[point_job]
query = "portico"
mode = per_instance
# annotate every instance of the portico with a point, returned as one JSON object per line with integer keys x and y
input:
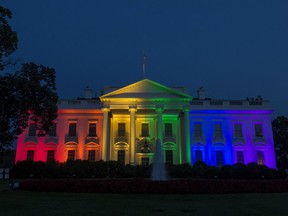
{"x": 139, "y": 114}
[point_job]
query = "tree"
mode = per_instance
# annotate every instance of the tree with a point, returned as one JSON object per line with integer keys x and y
{"x": 26, "y": 95}
{"x": 8, "y": 37}
{"x": 280, "y": 134}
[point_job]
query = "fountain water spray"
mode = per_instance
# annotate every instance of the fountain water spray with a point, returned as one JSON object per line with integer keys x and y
{"x": 158, "y": 169}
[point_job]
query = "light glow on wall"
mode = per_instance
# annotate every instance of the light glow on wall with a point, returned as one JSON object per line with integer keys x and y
{"x": 144, "y": 98}
{"x": 248, "y": 144}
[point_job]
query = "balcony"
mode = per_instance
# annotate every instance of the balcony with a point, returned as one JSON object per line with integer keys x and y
{"x": 122, "y": 139}
{"x": 195, "y": 140}
{"x": 259, "y": 140}
{"x": 170, "y": 139}
{"x": 71, "y": 139}
{"x": 239, "y": 141}
{"x": 51, "y": 139}
{"x": 92, "y": 140}
{"x": 31, "y": 139}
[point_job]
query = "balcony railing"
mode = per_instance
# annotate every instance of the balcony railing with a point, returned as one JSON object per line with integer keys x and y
{"x": 79, "y": 103}
{"x": 171, "y": 139}
{"x": 229, "y": 103}
{"x": 121, "y": 139}
{"x": 239, "y": 141}
{"x": 51, "y": 139}
{"x": 258, "y": 140}
{"x": 71, "y": 139}
{"x": 31, "y": 139}
{"x": 92, "y": 140}
{"x": 198, "y": 140}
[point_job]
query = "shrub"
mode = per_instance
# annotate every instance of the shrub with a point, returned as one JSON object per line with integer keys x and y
{"x": 212, "y": 172}
{"x": 226, "y": 172}
{"x": 180, "y": 171}
{"x": 136, "y": 186}
{"x": 83, "y": 169}
{"x": 199, "y": 169}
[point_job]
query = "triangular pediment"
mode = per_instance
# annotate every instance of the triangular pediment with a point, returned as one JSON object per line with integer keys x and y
{"x": 147, "y": 89}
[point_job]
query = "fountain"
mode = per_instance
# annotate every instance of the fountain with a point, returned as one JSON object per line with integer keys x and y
{"x": 158, "y": 169}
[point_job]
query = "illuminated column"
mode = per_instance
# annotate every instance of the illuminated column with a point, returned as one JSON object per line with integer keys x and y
{"x": 105, "y": 137}
{"x": 132, "y": 110}
{"x": 159, "y": 111}
{"x": 187, "y": 149}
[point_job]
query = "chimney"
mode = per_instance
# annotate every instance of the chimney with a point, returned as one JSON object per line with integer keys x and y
{"x": 88, "y": 93}
{"x": 201, "y": 93}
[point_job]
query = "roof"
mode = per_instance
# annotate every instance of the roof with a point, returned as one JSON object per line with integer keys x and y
{"x": 147, "y": 89}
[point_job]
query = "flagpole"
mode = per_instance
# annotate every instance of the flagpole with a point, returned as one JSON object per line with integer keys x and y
{"x": 144, "y": 65}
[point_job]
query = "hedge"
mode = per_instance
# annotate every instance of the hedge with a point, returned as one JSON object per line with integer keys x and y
{"x": 144, "y": 186}
{"x": 81, "y": 169}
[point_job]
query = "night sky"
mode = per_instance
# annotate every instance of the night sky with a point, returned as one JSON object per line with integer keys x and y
{"x": 232, "y": 48}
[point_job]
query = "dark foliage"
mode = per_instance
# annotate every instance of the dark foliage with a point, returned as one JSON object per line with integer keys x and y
{"x": 8, "y": 158}
{"x": 180, "y": 171}
{"x": 112, "y": 169}
{"x": 280, "y": 134}
{"x": 28, "y": 94}
{"x": 70, "y": 169}
{"x": 8, "y": 37}
{"x": 144, "y": 186}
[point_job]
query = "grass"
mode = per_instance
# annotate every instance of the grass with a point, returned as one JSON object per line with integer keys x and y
{"x": 13, "y": 202}
{"x": 4, "y": 185}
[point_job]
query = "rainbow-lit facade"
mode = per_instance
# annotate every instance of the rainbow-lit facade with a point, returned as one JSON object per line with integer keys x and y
{"x": 124, "y": 123}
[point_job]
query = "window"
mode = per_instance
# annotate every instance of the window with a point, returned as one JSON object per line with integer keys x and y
{"x": 72, "y": 129}
{"x": 30, "y": 155}
{"x": 219, "y": 158}
{"x": 145, "y": 161}
{"x": 198, "y": 155}
{"x": 260, "y": 158}
{"x": 121, "y": 130}
{"x": 218, "y": 130}
{"x": 169, "y": 156}
{"x": 71, "y": 155}
{"x": 240, "y": 157}
{"x": 258, "y": 130}
{"x": 145, "y": 147}
{"x": 238, "y": 130}
{"x": 197, "y": 130}
{"x": 168, "y": 130}
{"x": 121, "y": 156}
{"x": 50, "y": 155}
{"x": 52, "y": 130}
{"x": 91, "y": 155}
{"x": 92, "y": 130}
{"x": 32, "y": 130}
{"x": 145, "y": 130}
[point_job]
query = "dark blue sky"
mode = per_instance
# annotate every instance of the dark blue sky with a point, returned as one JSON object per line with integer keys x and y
{"x": 233, "y": 48}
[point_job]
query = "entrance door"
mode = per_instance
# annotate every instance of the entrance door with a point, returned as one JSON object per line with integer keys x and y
{"x": 121, "y": 156}
{"x": 145, "y": 161}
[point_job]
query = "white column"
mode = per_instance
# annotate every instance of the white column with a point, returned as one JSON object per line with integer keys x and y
{"x": 105, "y": 137}
{"x": 132, "y": 110}
{"x": 187, "y": 150}
{"x": 159, "y": 124}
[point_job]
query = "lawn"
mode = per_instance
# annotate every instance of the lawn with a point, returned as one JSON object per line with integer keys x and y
{"x": 40, "y": 203}
{"x": 4, "y": 185}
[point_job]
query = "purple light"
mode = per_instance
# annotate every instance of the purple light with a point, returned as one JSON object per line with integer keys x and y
{"x": 249, "y": 144}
